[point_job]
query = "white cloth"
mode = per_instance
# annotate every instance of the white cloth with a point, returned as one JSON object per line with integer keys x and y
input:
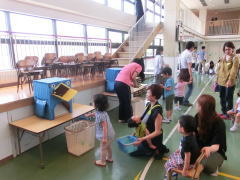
{"x": 185, "y": 58}
{"x": 158, "y": 64}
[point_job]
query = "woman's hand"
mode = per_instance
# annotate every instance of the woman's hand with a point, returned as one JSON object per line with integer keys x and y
{"x": 229, "y": 83}
{"x": 136, "y": 119}
{"x": 138, "y": 142}
{"x": 207, "y": 151}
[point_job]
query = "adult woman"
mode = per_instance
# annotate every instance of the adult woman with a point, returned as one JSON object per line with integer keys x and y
{"x": 125, "y": 79}
{"x": 158, "y": 66}
{"x": 152, "y": 117}
{"x": 210, "y": 134}
{"x": 226, "y": 77}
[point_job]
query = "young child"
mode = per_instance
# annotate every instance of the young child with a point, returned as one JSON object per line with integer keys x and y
{"x": 188, "y": 152}
{"x": 179, "y": 93}
{"x": 141, "y": 131}
{"x": 168, "y": 92}
{"x": 235, "y": 114}
{"x": 104, "y": 129}
{"x": 211, "y": 70}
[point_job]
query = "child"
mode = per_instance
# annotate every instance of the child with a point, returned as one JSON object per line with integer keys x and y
{"x": 141, "y": 131}
{"x": 179, "y": 93}
{"x": 211, "y": 70}
{"x": 188, "y": 152}
{"x": 168, "y": 92}
{"x": 235, "y": 112}
{"x": 104, "y": 129}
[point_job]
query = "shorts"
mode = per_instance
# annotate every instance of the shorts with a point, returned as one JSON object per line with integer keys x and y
{"x": 178, "y": 99}
{"x": 169, "y": 102}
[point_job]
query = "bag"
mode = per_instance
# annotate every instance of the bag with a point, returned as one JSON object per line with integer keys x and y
{"x": 215, "y": 87}
{"x": 184, "y": 75}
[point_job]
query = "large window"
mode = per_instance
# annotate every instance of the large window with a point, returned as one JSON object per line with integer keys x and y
{"x": 116, "y": 37}
{"x": 96, "y": 32}
{"x": 116, "y": 4}
{"x": 68, "y": 44}
{"x": 5, "y": 62}
{"x": 129, "y": 7}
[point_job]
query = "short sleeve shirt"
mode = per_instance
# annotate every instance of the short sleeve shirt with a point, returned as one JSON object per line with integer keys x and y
{"x": 185, "y": 58}
{"x": 100, "y": 117}
{"x": 169, "y": 83}
{"x": 125, "y": 75}
{"x": 189, "y": 144}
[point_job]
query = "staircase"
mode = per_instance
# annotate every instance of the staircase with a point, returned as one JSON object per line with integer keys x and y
{"x": 140, "y": 36}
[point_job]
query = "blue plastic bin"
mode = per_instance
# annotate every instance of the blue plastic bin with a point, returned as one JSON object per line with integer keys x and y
{"x": 123, "y": 144}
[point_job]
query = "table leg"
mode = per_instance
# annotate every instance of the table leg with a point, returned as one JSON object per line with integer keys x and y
{"x": 18, "y": 139}
{"x": 40, "y": 137}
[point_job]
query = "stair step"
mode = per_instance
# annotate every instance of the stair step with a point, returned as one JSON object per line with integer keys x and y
{"x": 125, "y": 54}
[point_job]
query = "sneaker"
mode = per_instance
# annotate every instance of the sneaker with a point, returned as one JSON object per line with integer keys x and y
{"x": 187, "y": 104}
{"x": 234, "y": 128}
{"x": 215, "y": 173}
{"x": 122, "y": 121}
{"x": 177, "y": 108}
{"x": 166, "y": 121}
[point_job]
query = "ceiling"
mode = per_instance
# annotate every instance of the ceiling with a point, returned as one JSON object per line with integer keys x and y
{"x": 212, "y": 4}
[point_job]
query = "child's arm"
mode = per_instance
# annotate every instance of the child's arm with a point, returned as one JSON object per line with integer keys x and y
{"x": 105, "y": 132}
{"x": 186, "y": 163}
{"x": 92, "y": 114}
{"x": 235, "y": 107}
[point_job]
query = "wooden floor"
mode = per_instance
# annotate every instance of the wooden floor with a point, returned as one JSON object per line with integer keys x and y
{"x": 9, "y": 97}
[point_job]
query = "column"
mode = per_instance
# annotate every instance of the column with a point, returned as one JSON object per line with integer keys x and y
{"x": 203, "y": 19}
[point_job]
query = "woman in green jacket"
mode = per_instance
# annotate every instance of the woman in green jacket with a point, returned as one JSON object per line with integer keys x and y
{"x": 226, "y": 77}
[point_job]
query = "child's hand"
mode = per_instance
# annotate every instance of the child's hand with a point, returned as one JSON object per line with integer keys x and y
{"x": 90, "y": 114}
{"x": 161, "y": 85}
{"x": 184, "y": 172}
{"x": 138, "y": 142}
{"x": 177, "y": 151}
{"x": 104, "y": 141}
{"x": 206, "y": 151}
{"x": 136, "y": 119}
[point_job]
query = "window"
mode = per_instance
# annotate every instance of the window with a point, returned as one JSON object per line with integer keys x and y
{"x": 116, "y": 37}
{"x": 149, "y": 17}
{"x": 149, "y": 52}
{"x": 98, "y": 44}
{"x": 31, "y": 44}
{"x": 150, "y": 5}
{"x": 30, "y": 24}
{"x": 129, "y": 7}
{"x": 100, "y": 1}
{"x": 125, "y": 36}
{"x": 70, "y": 44}
{"x": 116, "y": 4}
{"x": 3, "y": 25}
{"x": 69, "y": 29}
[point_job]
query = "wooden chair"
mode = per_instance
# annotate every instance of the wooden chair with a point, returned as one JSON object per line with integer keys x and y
{"x": 22, "y": 74}
{"x": 193, "y": 173}
{"x": 49, "y": 58}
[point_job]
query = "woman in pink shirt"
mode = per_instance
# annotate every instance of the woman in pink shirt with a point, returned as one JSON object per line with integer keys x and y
{"x": 125, "y": 79}
{"x": 179, "y": 92}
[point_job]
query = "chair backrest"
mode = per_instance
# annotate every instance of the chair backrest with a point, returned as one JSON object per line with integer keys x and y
{"x": 90, "y": 57}
{"x": 80, "y": 57}
{"x": 49, "y": 58}
{"x": 21, "y": 66}
{"x": 98, "y": 55}
{"x": 107, "y": 56}
{"x": 66, "y": 59}
{"x": 31, "y": 61}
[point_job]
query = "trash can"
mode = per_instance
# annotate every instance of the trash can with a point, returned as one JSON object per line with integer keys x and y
{"x": 80, "y": 137}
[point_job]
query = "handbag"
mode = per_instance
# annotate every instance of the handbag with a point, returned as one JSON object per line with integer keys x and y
{"x": 215, "y": 87}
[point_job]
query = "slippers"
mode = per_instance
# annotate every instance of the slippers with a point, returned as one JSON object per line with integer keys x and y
{"x": 99, "y": 164}
{"x": 109, "y": 160}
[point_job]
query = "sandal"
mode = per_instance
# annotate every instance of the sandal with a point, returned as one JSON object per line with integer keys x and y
{"x": 109, "y": 160}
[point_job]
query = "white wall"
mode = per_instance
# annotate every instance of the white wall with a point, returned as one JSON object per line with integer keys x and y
{"x": 82, "y": 11}
{"x": 214, "y": 50}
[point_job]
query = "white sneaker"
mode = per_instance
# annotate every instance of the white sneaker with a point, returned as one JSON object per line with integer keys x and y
{"x": 215, "y": 173}
{"x": 234, "y": 128}
{"x": 177, "y": 108}
{"x": 166, "y": 121}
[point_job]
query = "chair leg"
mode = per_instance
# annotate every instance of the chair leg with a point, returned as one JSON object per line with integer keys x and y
{"x": 169, "y": 175}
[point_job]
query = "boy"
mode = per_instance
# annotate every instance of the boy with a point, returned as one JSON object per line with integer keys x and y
{"x": 168, "y": 92}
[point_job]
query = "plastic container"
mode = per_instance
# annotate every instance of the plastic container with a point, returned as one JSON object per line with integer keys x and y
{"x": 80, "y": 137}
{"x": 125, "y": 144}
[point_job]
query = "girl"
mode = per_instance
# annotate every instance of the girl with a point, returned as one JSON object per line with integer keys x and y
{"x": 179, "y": 92}
{"x": 188, "y": 151}
{"x": 210, "y": 134}
{"x": 104, "y": 129}
{"x": 235, "y": 112}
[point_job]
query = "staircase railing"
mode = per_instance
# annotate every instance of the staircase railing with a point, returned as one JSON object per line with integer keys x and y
{"x": 223, "y": 27}
{"x": 141, "y": 30}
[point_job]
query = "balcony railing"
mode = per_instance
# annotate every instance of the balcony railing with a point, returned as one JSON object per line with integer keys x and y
{"x": 223, "y": 27}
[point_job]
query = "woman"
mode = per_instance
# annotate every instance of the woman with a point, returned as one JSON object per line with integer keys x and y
{"x": 125, "y": 79}
{"x": 226, "y": 77}
{"x": 158, "y": 66}
{"x": 210, "y": 134}
{"x": 152, "y": 117}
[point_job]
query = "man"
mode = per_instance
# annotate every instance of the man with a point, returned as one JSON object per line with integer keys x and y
{"x": 201, "y": 60}
{"x": 186, "y": 70}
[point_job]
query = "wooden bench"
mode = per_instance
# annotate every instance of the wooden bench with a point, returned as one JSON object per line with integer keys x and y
{"x": 38, "y": 126}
